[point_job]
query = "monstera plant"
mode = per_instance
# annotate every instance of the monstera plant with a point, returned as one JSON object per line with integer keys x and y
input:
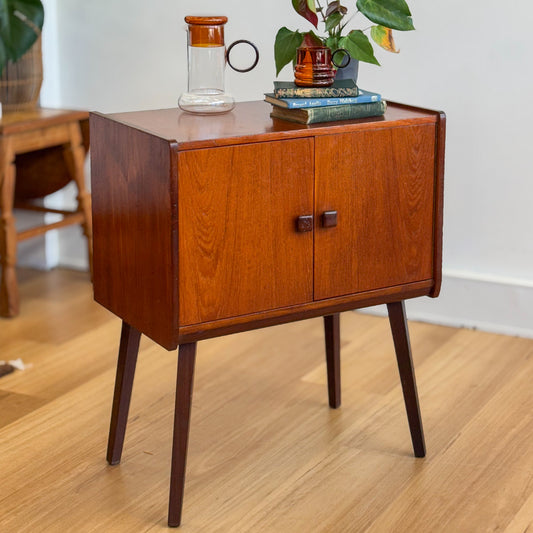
{"x": 386, "y": 15}
{"x": 20, "y": 24}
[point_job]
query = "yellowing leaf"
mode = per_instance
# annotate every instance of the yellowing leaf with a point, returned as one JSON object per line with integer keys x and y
{"x": 383, "y": 36}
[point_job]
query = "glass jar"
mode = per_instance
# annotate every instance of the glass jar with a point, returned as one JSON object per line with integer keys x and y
{"x": 206, "y": 58}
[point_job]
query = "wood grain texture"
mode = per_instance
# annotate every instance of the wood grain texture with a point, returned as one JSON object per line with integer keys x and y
{"x": 9, "y": 297}
{"x": 250, "y": 122}
{"x": 234, "y": 223}
{"x": 28, "y": 135}
{"x": 215, "y": 328}
{"x": 239, "y": 249}
{"x": 439, "y": 204}
{"x": 235, "y": 203}
{"x": 135, "y": 228}
{"x": 23, "y": 121}
{"x": 74, "y": 154}
{"x": 279, "y": 461}
{"x": 381, "y": 183}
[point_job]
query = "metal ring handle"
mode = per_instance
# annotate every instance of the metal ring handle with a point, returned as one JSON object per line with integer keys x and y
{"x": 346, "y": 54}
{"x": 230, "y": 47}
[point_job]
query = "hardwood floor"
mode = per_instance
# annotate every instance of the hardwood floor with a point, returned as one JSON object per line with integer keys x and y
{"x": 266, "y": 454}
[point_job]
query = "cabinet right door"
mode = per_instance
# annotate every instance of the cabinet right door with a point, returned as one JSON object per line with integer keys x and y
{"x": 381, "y": 185}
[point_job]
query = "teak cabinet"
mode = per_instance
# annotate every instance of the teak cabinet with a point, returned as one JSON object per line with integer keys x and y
{"x": 205, "y": 226}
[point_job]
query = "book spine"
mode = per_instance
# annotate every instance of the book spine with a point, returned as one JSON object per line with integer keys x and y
{"x": 295, "y": 103}
{"x": 345, "y": 112}
{"x": 315, "y": 92}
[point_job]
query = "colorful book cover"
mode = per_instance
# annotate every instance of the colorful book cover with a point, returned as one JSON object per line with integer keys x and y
{"x": 363, "y": 97}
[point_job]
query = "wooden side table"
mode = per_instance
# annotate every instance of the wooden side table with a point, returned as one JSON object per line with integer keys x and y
{"x": 206, "y": 226}
{"x": 22, "y": 133}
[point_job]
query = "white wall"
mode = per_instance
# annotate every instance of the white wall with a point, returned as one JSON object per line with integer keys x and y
{"x": 43, "y": 252}
{"x": 470, "y": 59}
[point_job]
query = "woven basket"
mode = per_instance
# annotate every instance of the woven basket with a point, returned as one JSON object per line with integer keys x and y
{"x": 44, "y": 172}
{"x": 21, "y": 81}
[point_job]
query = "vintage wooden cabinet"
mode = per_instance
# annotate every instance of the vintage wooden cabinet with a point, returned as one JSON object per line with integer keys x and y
{"x": 205, "y": 226}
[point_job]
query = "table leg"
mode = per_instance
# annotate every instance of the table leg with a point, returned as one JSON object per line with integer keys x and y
{"x": 9, "y": 295}
{"x": 127, "y": 359}
{"x": 333, "y": 360}
{"x": 74, "y": 154}
{"x": 400, "y": 334}
{"x": 182, "y": 416}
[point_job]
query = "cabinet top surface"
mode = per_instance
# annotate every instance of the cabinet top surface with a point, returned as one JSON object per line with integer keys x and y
{"x": 251, "y": 122}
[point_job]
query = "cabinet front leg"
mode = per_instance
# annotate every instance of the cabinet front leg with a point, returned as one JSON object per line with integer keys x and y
{"x": 400, "y": 334}
{"x": 333, "y": 358}
{"x": 182, "y": 416}
{"x": 127, "y": 359}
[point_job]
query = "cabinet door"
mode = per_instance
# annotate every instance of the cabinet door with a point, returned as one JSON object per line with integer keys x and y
{"x": 381, "y": 184}
{"x": 239, "y": 248}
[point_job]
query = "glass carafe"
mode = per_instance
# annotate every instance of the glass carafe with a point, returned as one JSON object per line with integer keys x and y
{"x": 207, "y": 57}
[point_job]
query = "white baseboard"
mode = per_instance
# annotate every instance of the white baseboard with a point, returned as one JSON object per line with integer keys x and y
{"x": 493, "y": 304}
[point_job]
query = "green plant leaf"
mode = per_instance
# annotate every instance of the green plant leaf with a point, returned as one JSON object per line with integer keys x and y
{"x": 5, "y": 33}
{"x": 358, "y": 46}
{"x": 333, "y": 20}
{"x": 393, "y": 14}
{"x": 383, "y": 37}
{"x": 332, "y": 43}
{"x": 285, "y": 46}
{"x": 307, "y": 9}
{"x": 16, "y": 35}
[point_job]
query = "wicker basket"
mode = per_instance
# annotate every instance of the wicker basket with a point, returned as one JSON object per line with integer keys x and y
{"x": 21, "y": 81}
{"x": 44, "y": 172}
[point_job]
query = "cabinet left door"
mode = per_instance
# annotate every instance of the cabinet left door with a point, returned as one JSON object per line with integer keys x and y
{"x": 240, "y": 251}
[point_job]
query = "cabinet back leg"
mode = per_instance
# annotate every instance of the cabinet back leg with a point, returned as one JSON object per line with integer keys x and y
{"x": 182, "y": 416}
{"x": 333, "y": 358}
{"x": 127, "y": 359}
{"x": 400, "y": 335}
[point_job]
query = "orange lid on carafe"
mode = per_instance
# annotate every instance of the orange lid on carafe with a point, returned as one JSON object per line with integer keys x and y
{"x": 206, "y": 31}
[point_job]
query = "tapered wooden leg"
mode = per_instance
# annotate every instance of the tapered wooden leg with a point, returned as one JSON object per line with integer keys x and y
{"x": 333, "y": 358}
{"x": 127, "y": 359}
{"x": 400, "y": 334}
{"x": 182, "y": 416}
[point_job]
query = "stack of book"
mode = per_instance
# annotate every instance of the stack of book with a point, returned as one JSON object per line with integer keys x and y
{"x": 308, "y": 105}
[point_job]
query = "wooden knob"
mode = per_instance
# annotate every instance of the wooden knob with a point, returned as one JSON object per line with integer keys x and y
{"x": 329, "y": 219}
{"x": 304, "y": 223}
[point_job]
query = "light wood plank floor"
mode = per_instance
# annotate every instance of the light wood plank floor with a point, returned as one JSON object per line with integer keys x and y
{"x": 266, "y": 453}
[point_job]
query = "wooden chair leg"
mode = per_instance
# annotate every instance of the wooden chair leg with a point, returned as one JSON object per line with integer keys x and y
{"x": 74, "y": 155}
{"x": 333, "y": 360}
{"x": 127, "y": 359}
{"x": 9, "y": 295}
{"x": 400, "y": 334}
{"x": 182, "y": 416}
